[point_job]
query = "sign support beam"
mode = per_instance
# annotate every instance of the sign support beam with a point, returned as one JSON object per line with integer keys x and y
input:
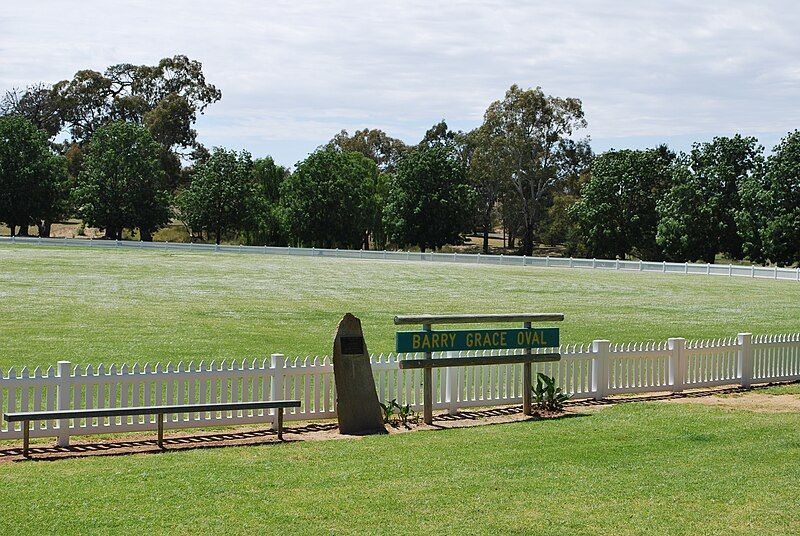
{"x": 526, "y": 380}
{"x": 427, "y": 385}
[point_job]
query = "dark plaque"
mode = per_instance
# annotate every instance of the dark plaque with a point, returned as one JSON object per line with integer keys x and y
{"x": 352, "y": 345}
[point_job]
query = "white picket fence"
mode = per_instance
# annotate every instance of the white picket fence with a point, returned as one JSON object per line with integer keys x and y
{"x": 771, "y": 272}
{"x": 585, "y": 371}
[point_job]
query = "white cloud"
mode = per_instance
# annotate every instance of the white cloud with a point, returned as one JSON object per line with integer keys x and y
{"x": 292, "y": 74}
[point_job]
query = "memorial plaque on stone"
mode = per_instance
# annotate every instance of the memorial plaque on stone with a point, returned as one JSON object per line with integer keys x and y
{"x": 357, "y": 406}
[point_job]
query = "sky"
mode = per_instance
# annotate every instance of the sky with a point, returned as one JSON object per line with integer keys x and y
{"x": 293, "y": 74}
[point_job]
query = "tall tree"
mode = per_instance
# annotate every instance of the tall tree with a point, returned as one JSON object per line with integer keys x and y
{"x": 220, "y": 197}
{"x": 430, "y": 201}
{"x": 697, "y": 214}
{"x": 38, "y": 104}
{"x": 165, "y": 97}
{"x": 617, "y": 210}
{"x": 688, "y": 225}
{"x": 328, "y": 200}
{"x": 33, "y": 180}
{"x": 375, "y": 144}
{"x": 559, "y": 226}
{"x": 439, "y": 135}
{"x": 121, "y": 184}
{"x": 265, "y": 226}
{"x": 488, "y": 175}
{"x": 769, "y": 218}
{"x": 533, "y": 129}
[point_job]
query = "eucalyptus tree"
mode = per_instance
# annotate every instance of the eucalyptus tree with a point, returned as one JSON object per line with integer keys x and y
{"x": 530, "y": 131}
{"x": 375, "y": 144}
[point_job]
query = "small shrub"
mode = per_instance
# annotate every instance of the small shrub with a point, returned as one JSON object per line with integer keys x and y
{"x": 388, "y": 410}
{"x": 81, "y": 229}
{"x": 406, "y": 414}
{"x": 546, "y": 395}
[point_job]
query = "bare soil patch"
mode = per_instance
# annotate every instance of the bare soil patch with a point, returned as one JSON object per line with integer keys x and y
{"x": 750, "y": 401}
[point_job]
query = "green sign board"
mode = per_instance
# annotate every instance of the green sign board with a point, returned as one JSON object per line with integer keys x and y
{"x": 475, "y": 339}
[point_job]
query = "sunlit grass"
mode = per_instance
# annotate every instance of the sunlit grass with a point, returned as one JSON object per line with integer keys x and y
{"x": 644, "y": 469}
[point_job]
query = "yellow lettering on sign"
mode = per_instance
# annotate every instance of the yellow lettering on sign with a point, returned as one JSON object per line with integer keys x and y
{"x": 426, "y": 342}
{"x": 415, "y": 341}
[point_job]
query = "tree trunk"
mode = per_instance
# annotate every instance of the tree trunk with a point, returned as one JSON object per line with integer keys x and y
{"x": 145, "y": 235}
{"x": 527, "y": 240}
{"x": 44, "y": 228}
{"x": 487, "y": 223}
{"x": 218, "y": 235}
{"x": 23, "y": 230}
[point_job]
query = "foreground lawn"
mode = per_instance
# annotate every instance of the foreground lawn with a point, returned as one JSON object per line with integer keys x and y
{"x": 104, "y": 306}
{"x": 629, "y": 469}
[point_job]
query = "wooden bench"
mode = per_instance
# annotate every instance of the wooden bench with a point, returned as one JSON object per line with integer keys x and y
{"x": 27, "y": 416}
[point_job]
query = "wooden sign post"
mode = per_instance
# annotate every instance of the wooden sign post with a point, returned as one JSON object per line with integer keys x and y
{"x": 428, "y": 341}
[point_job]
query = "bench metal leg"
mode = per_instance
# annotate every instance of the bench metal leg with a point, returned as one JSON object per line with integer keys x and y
{"x": 26, "y": 438}
{"x": 161, "y": 432}
{"x": 280, "y": 424}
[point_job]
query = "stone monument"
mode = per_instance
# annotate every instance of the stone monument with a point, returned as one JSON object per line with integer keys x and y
{"x": 357, "y": 404}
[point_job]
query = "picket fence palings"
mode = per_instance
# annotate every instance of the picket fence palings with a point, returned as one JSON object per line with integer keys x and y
{"x": 593, "y": 371}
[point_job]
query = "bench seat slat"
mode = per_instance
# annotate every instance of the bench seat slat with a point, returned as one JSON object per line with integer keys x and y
{"x": 148, "y": 410}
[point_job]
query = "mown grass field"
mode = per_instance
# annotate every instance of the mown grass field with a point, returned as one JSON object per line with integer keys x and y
{"x": 637, "y": 468}
{"x": 113, "y": 306}
{"x": 640, "y": 468}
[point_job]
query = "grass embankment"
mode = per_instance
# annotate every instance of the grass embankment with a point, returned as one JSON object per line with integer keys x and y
{"x": 629, "y": 469}
{"x": 113, "y": 306}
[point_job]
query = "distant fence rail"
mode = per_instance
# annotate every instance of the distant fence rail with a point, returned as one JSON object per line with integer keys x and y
{"x": 771, "y": 272}
{"x": 591, "y": 371}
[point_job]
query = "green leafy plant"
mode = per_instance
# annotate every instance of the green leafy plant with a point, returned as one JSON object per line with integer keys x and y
{"x": 406, "y": 414}
{"x": 546, "y": 395}
{"x": 388, "y": 410}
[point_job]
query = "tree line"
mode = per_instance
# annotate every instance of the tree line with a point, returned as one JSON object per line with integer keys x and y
{"x": 131, "y": 161}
